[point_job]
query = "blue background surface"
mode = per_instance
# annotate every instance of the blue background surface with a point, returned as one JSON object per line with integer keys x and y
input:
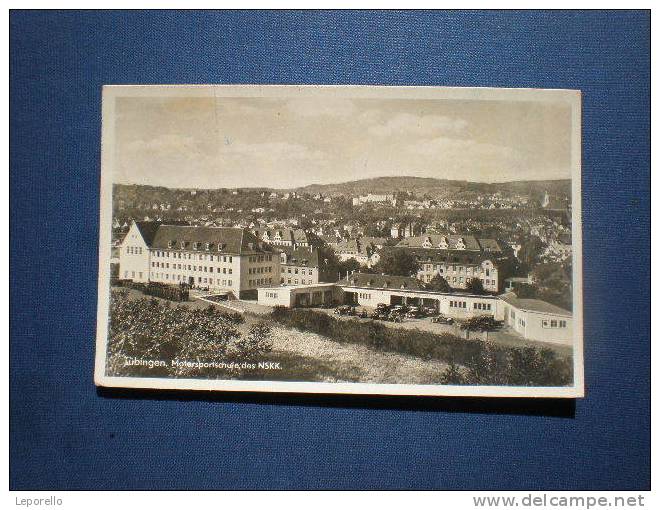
{"x": 66, "y": 435}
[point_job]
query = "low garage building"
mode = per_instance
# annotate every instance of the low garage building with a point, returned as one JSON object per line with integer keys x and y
{"x": 533, "y": 319}
{"x": 292, "y": 296}
{"x": 371, "y": 289}
{"x": 537, "y": 320}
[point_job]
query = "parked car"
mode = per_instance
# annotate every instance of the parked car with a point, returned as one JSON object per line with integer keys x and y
{"x": 414, "y": 313}
{"x": 363, "y": 314}
{"x": 395, "y": 317}
{"x": 441, "y": 319}
{"x": 345, "y": 310}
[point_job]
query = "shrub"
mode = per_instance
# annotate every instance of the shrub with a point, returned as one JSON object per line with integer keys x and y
{"x": 146, "y": 328}
{"x": 484, "y": 363}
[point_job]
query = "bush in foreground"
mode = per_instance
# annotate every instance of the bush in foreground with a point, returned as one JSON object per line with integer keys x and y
{"x": 149, "y": 329}
{"x": 471, "y": 362}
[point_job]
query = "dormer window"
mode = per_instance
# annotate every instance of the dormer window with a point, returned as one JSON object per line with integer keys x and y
{"x": 196, "y": 245}
{"x": 460, "y": 244}
{"x": 170, "y": 244}
{"x": 207, "y": 246}
{"x": 427, "y": 243}
{"x": 221, "y": 246}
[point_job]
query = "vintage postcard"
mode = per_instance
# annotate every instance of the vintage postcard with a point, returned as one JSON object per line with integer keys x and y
{"x": 341, "y": 239}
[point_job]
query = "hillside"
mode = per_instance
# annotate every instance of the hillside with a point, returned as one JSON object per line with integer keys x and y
{"x": 441, "y": 188}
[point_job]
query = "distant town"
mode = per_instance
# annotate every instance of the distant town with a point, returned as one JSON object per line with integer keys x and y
{"x": 454, "y": 238}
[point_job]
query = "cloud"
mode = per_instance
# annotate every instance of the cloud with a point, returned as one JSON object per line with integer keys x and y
{"x": 471, "y": 158}
{"x": 419, "y": 125}
{"x": 272, "y": 150}
{"x": 164, "y": 143}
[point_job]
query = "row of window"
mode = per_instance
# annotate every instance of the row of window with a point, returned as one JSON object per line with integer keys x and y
{"x": 260, "y": 270}
{"x": 457, "y": 304}
{"x": 259, "y": 281}
{"x": 455, "y": 269}
{"x": 187, "y": 279}
{"x": 295, "y": 270}
{"x": 193, "y": 256}
{"x": 261, "y": 258}
{"x": 364, "y": 295}
{"x": 553, "y": 323}
{"x": 133, "y": 250}
{"x": 482, "y": 306}
{"x": 197, "y": 245}
{"x": 295, "y": 281}
{"x": 271, "y": 295}
{"x": 188, "y": 267}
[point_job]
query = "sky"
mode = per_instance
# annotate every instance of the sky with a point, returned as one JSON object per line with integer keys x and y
{"x": 206, "y": 142}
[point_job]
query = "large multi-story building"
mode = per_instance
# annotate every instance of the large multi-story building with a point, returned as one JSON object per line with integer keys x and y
{"x": 299, "y": 266}
{"x": 365, "y": 253}
{"x": 458, "y": 259}
{"x": 218, "y": 258}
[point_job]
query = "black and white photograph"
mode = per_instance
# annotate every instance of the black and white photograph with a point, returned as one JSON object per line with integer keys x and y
{"x": 341, "y": 239}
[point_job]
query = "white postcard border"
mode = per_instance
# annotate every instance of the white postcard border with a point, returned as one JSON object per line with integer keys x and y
{"x": 111, "y": 92}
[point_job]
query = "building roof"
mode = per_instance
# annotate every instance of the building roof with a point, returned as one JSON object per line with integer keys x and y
{"x": 220, "y": 239}
{"x": 303, "y": 256}
{"x": 534, "y": 305}
{"x": 382, "y": 281}
{"x": 377, "y": 241}
{"x": 350, "y": 246}
{"x": 451, "y": 242}
{"x": 435, "y": 256}
{"x": 147, "y": 230}
{"x": 294, "y": 235}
